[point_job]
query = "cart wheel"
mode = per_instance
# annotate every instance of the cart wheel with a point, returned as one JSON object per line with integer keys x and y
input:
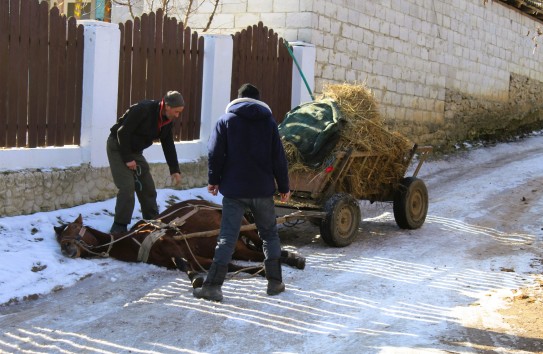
{"x": 339, "y": 226}
{"x": 411, "y": 203}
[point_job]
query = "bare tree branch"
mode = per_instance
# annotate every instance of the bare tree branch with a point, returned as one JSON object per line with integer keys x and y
{"x": 211, "y": 16}
{"x": 187, "y": 13}
{"x": 173, "y": 8}
{"x": 127, "y": 3}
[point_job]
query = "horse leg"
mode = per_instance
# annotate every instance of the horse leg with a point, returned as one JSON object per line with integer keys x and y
{"x": 196, "y": 278}
{"x": 244, "y": 253}
{"x": 292, "y": 259}
{"x": 251, "y": 239}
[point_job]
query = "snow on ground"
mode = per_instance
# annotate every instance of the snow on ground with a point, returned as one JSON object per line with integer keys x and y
{"x": 430, "y": 290}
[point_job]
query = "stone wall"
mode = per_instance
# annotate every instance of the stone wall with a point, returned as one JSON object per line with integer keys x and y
{"x": 475, "y": 119}
{"x": 31, "y": 191}
{"x": 443, "y": 71}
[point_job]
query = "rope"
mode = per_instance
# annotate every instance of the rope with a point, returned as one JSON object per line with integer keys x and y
{"x": 289, "y": 48}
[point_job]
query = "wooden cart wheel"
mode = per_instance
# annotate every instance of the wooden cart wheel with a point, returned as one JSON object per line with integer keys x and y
{"x": 339, "y": 226}
{"x": 410, "y": 203}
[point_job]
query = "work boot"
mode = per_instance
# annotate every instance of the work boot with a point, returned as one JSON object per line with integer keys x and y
{"x": 273, "y": 274}
{"x": 211, "y": 289}
{"x": 118, "y": 228}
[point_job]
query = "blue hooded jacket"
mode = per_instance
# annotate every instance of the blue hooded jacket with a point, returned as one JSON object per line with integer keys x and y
{"x": 246, "y": 157}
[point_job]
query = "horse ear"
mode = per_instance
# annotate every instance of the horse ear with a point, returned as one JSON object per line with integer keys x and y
{"x": 79, "y": 220}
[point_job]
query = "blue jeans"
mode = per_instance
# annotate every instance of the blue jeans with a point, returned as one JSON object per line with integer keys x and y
{"x": 232, "y": 213}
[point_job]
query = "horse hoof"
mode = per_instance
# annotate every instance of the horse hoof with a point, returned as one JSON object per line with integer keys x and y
{"x": 300, "y": 263}
{"x": 197, "y": 282}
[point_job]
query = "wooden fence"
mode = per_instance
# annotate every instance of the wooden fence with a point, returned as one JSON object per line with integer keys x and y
{"x": 41, "y": 74}
{"x": 262, "y": 59}
{"x": 158, "y": 55}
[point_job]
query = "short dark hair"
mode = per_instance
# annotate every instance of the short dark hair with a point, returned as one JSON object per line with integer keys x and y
{"x": 249, "y": 91}
{"x": 174, "y": 99}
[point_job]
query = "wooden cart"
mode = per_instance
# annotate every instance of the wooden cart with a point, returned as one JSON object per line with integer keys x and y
{"x": 321, "y": 200}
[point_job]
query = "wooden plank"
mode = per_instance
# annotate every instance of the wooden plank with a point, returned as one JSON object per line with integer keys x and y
{"x": 62, "y": 86}
{"x": 121, "y": 94}
{"x": 243, "y": 60}
{"x": 13, "y": 75}
{"x": 271, "y": 69}
{"x": 193, "y": 83}
{"x": 158, "y": 54}
{"x": 4, "y": 57}
{"x": 33, "y": 76}
{"x": 138, "y": 66}
{"x": 128, "y": 57}
{"x": 194, "y": 87}
{"x": 265, "y": 75}
{"x": 251, "y": 60}
{"x": 54, "y": 24}
{"x": 187, "y": 78}
{"x": 168, "y": 52}
{"x": 149, "y": 50}
{"x": 179, "y": 73}
{"x": 71, "y": 61}
{"x": 79, "y": 84}
{"x": 198, "y": 88}
{"x": 43, "y": 72}
{"x": 259, "y": 57}
{"x": 235, "y": 64}
{"x": 23, "y": 61}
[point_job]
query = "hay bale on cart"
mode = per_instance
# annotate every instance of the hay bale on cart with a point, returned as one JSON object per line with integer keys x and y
{"x": 339, "y": 152}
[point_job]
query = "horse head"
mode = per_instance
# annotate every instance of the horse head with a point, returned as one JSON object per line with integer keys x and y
{"x": 74, "y": 238}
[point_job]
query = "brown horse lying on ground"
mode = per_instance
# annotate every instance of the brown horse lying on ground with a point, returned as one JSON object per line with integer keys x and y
{"x": 174, "y": 240}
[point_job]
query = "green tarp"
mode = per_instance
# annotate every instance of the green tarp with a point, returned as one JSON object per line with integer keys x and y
{"x": 314, "y": 129}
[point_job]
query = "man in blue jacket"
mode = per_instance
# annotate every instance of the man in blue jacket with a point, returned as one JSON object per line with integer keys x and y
{"x": 246, "y": 159}
{"x": 134, "y": 132}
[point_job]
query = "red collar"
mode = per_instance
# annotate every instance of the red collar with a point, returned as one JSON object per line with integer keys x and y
{"x": 162, "y": 122}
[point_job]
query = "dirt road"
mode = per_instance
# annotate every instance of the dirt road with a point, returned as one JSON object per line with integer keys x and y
{"x": 468, "y": 281}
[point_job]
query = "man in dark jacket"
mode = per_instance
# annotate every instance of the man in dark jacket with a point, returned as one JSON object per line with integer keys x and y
{"x": 246, "y": 159}
{"x": 134, "y": 132}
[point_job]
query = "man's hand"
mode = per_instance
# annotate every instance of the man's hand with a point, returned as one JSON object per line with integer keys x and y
{"x": 285, "y": 197}
{"x": 176, "y": 179}
{"x": 213, "y": 188}
{"x": 131, "y": 165}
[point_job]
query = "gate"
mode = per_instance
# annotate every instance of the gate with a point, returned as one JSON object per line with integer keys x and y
{"x": 158, "y": 54}
{"x": 261, "y": 58}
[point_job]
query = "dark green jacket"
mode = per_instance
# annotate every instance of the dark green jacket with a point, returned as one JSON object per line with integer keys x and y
{"x": 138, "y": 127}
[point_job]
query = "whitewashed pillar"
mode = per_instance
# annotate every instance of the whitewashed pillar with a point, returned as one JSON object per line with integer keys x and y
{"x": 218, "y": 57}
{"x": 100, "y": 87}
{"x": 305, "y": 54}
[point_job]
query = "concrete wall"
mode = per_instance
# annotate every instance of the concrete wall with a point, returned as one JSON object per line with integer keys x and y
{"x": 428, "y": 62}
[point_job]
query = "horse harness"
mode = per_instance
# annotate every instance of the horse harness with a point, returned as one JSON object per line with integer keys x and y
{"x": 79, "y": 241}
{"x": 148, "y": 242}
{"x": 161, "y": 229}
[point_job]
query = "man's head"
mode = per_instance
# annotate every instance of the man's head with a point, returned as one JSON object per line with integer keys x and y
{"x": 248, "y": 91}
{"x": 174, "y": 104}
